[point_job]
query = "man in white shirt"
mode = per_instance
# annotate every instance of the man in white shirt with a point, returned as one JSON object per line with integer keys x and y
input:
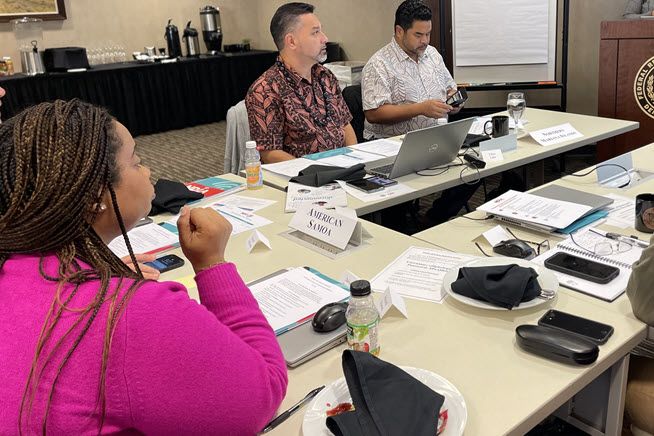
{"x": 405, "y": 84}
{"x": 404, "y": 87}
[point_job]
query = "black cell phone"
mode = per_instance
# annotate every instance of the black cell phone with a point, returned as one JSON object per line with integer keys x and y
{"x": 166, "y": 263}
{"x": 382, "y": 181}
{"x": 458, "y": 98}
{"x": 365, "y": 185}
{"x": 586, "y": 328}
{"x": 582, "y": 268}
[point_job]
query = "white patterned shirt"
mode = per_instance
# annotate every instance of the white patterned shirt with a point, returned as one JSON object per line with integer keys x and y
{"x": 392, "y": 77}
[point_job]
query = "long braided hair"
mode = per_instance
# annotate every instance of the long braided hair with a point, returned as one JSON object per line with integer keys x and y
{"x": 56, "y": 162}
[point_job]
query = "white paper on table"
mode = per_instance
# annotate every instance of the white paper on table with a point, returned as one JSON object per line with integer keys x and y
{"x": 290, "y": 297}
{"x": 622, "y": 212}
{"x": 496, "y": 235}
{"x": 327, "y": 196}
{"x": 387, "y": 192}
{"x": 495, "y": 155}
{"x": 256, "y": 238}
{"x": 383, "y": 147}
{"x": 390, "y": 299}
{"x": 349, "y": 277}
{"x": 556, "y": 134}
{"x": 249, "y": 204}
{"x": 418, "y": 273}
{"x": 350, "y": 159}
{"x": 144, "y": 239}
{"x": 240, "y": 219}
{"x": 289, "y": 168}
{"x": 534, "y": 209}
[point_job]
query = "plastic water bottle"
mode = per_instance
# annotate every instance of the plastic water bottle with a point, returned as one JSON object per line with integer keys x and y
{"x": 253, "y": 173}
{"x": 362, "y": 319}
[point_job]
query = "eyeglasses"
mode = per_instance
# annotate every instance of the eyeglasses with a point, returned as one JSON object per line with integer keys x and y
{"x": 606, "y": 247}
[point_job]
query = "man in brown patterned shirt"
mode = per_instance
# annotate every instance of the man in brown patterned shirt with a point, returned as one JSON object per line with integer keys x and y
{"x": 296, "y": 107}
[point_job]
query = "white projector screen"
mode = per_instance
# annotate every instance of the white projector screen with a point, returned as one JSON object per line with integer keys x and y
{"x": 504, "y": 40}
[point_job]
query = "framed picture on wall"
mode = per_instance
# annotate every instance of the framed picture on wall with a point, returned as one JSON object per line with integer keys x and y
{"x": 44, "y": 9}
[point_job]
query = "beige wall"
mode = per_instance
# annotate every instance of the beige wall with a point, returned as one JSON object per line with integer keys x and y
{"x": 583, "y": 53}
{"x": 360, "y": 26}
{"x": 135, "y": 23}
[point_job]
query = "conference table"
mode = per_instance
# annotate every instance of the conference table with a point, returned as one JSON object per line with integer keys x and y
{"x": 461, "y": 234}
{"x": 528, "y": 151}
{"x": 506, "y": 390}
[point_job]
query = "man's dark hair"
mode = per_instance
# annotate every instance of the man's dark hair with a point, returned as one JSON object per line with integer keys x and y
{"x": 285, "y": 18}
{"x": 410, "y": 11}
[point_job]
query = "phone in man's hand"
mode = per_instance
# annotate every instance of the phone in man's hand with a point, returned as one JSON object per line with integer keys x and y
{"x": 458, "y": 98}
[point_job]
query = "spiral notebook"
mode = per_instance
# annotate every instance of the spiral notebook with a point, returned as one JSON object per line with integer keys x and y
{"x": 588, "y": 239}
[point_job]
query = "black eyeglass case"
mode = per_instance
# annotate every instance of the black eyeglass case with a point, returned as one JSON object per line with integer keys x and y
{"x": 556, "y": 345}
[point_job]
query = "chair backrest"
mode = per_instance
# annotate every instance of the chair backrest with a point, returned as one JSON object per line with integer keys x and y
{"x": 238, "y": 133}
{"x": 352, "y": 97}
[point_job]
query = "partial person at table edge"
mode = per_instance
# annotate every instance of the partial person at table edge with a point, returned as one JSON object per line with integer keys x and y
{"x": 296, "y": 107}
{"x": 639, "y": 403}
{"x": 90, "y": 346}
{"x": 638, "y": 8}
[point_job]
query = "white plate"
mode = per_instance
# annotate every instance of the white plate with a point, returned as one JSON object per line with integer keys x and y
{"x": 546, "y": 280}
{"x": 337, "y": 392}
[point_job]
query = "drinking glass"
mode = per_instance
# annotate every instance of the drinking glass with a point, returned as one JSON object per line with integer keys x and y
{"x": 515, "y": 106}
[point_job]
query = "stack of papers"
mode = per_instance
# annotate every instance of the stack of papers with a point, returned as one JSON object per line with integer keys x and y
{"x": 418, "y": 273}
{"x": 240, "y": 219}
{"x": 150, "y": 238}
{"x": 215, "y": 186}
{"x": 290, "y": 298}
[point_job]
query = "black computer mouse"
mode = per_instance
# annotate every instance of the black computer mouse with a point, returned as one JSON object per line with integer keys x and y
{"x": 515, "y": 248}
{"x": 329, "y": 317}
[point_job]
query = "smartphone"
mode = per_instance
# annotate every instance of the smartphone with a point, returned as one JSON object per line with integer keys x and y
{"x": 586, "y": 328}
{"x": 458, "y": 98}
{"x": 365, "y": 185}
{"x": 166, "y": 263}
{"x": 382, "y": 181}
{"x": 582, "y": 268}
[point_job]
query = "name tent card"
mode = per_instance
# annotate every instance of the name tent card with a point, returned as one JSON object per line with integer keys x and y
{"x": 504, "y": 143}
{"x": 391, "y": 299}
{"x": 556, "y": 134}
{"x": 257, "y": 238}
{"x": 330, "y": 226}
{"x": 492, "y": 155}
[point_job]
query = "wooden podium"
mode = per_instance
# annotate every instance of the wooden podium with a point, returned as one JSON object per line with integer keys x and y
{"x": 626, "y": 82}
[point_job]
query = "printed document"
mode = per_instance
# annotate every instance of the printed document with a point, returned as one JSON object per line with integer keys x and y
{"x": 328, "y": 196}
{"x": 622, "y": 212}
{"x": 288, "y": 168}
{"x": 387, "y": 192}
{"x": 149, "y": 238}
{"x": 350, "y": 159}
{"x": 383, "y": 147}
{"x": 249, "y": 204}
{"x": 530, "y": 208}
{"x": 418, "y": 273}
{"x": 288, "y": 299}
{"x": 240, "y": 219}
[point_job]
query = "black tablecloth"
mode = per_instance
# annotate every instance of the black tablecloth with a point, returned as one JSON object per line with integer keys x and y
{"x": 148, "y": 98}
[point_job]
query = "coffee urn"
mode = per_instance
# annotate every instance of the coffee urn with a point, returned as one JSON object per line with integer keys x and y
{"x": 211, "y": 29}
{"x": 191, "y": 40}
{"x": 172, "y": 40}
{"x": 29, "y": 33}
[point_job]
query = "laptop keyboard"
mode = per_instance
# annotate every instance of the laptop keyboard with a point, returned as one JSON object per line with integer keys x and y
{"x": 384, "y": 171}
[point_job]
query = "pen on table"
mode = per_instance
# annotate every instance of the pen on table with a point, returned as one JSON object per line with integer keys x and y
{"x": 628, "y": 239}
{"x": 294, "y": 408}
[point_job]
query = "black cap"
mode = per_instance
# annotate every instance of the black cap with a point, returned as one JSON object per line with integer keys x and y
{"x": 360, "y": 288}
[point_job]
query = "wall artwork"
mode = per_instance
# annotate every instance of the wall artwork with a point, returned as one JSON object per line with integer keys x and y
{"x": 44, "y": 9}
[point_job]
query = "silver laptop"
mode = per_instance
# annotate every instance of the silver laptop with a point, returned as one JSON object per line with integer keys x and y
{"x": 303, "y": 343}
{"x": 427, "y": 148}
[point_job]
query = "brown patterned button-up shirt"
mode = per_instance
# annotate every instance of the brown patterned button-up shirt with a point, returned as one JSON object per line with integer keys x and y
{"x": 279, "y": 119}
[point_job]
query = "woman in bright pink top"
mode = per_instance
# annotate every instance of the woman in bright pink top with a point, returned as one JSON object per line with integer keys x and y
{"x": 86, "y": 344}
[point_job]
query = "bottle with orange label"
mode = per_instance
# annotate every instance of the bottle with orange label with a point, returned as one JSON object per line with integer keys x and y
{"x": 253, "y": 173}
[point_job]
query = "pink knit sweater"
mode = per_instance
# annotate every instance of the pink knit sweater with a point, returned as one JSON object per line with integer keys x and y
{"x": 175, "y": 366}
